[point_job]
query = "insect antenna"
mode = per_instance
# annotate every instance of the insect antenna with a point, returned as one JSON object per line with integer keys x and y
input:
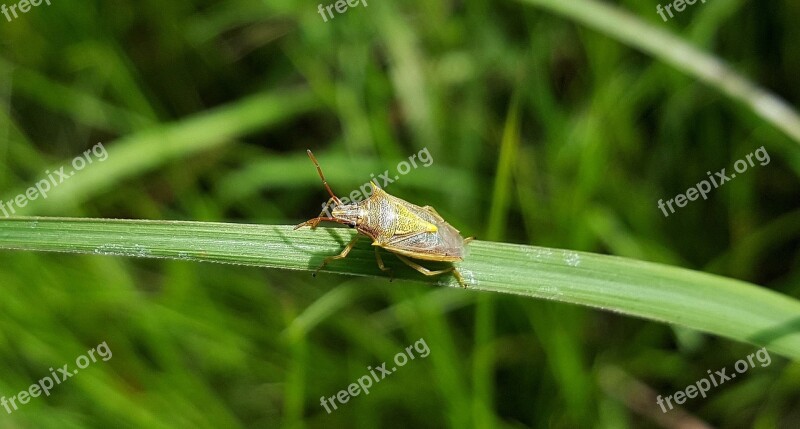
{"x": 322, "y": 176}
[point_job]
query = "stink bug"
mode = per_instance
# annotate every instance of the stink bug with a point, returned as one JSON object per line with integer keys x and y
{"x": 405, "y": 229}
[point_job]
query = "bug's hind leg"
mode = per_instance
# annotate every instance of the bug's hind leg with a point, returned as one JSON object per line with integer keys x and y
{"x": 342, "y": 255}
{"x": 428, "y": 272}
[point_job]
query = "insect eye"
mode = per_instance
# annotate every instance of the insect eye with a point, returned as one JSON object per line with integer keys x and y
{"x": 352, "y": 225}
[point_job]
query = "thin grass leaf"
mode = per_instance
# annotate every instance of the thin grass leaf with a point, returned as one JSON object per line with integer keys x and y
{"x": 705, "y": 302}
{"x": 675, "y": 51}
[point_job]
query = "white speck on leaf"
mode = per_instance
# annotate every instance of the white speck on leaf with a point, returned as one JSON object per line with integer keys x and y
{"x": 572, "y": 259}
{"x": 551, "y": 291}
{"x": 121, "y": 250}
{"x": 469, "y": 277}
{"x": 540, "y": 253}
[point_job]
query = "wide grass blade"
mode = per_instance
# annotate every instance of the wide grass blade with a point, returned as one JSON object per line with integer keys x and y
{"x": 708, "y": 303}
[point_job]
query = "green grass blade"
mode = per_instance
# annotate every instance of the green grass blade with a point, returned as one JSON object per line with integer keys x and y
{"x": 677, "y": 52}
{"x": 705, "y": 302}
{"x": 135, "y": 154}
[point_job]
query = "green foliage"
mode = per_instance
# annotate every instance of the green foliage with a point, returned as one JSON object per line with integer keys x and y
{"x": 554, "y": 124}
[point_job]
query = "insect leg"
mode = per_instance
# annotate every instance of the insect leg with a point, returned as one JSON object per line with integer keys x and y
{"x": 342, "y": 255}
{"x": 380, "y": 264}
{"x": 428, "y": 272}
{"x": 315, "y": 221}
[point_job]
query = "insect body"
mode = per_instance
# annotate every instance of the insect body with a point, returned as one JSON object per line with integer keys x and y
{"x": 405, "y": 229}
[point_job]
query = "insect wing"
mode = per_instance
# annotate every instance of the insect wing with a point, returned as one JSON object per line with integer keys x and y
{"x": 446, "y": 244}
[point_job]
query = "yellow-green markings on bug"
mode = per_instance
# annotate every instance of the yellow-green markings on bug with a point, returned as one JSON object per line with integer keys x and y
{"x": 402, "y": 228}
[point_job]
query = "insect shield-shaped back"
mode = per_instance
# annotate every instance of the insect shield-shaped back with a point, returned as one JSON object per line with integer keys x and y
{"x": 417, "y": 232}
{"x": 405, "y": 229}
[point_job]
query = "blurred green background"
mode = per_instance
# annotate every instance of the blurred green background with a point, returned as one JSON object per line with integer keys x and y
{"x": 206, "y": 109}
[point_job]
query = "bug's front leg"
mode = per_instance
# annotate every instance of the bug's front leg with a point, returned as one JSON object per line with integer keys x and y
{"x": 428, "y": 272}
{"x": 342, "y": 255}
{"x": 315, "y": 221}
